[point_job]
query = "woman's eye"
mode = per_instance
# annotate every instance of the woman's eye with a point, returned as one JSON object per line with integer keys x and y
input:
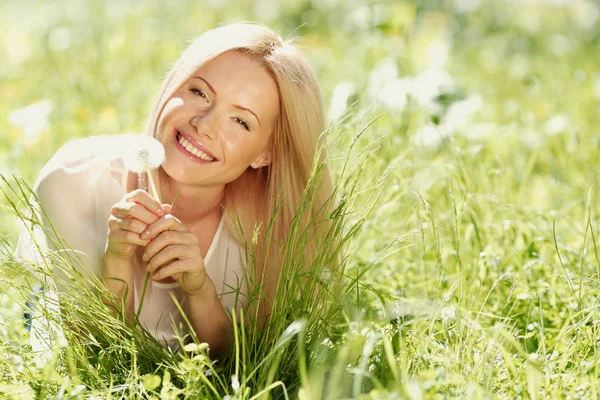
{"x": 242, "y": 123}
{"x": 200, "y": 93}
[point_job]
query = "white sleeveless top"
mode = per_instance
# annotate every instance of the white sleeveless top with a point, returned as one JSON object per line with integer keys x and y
{"x": 77, "y": 189}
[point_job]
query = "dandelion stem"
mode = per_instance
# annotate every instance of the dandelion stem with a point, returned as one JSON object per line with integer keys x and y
{"x": 139, "y": 311}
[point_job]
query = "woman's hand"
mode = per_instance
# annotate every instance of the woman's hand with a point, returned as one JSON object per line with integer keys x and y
{"x": 175, "y": 252}
{"x": 128, "y": 218}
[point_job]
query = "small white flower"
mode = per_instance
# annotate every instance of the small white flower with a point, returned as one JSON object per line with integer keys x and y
{"x": 460, "y": 113}
{"x": 235, "y": 383}
{"x": 437, "y": 53}
{"x": 142, "y": 153}
{"x": 557, "y": 124}
{"x": 339, "y": 99}
{"x": 193, "y": 347}
{"x": 429, "y": 84}
{"x": 394, "y": 95}
{"x": 448, "y": 313}
{"x": 384, "y": 72}
{"x": 429, "y": 137}
{"x": 584, "y": 12}
{"x": 466, "y": 6}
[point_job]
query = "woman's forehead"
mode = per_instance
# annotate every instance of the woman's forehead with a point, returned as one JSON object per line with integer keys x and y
{"x": 244, "y": 78}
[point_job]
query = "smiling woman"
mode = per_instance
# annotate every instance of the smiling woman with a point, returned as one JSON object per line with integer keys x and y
{"x": 240, "y": 119}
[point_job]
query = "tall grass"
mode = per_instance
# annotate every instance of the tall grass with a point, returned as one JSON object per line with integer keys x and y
{"x": 90, "y": 348}
{"x": 481, "y": 250}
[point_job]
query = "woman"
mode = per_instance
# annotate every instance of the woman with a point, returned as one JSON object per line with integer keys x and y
{"x": 240, "y": 117}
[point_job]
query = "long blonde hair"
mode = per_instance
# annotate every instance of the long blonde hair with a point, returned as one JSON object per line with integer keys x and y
{"x": 277, "y": 188}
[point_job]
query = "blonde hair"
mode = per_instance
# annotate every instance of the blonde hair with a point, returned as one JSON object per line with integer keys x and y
{"x": 277, "y": 188}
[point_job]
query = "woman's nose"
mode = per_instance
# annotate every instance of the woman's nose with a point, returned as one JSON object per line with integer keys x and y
{"x": 205, "y": 125}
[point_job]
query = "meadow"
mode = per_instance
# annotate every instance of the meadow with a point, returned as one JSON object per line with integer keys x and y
{"x": 464, "y": 145}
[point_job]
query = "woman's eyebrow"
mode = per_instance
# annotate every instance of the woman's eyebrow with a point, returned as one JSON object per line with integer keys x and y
{"x": 207, "y": 84}
{"x": 236, "y": 106}
{"x": 250, "y": 111}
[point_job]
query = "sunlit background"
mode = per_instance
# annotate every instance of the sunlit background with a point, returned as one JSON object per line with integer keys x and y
{"x": 490, "y": 109}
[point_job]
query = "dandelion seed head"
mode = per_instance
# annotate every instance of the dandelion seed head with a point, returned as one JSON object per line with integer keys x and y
{"x": 142, "y": 153}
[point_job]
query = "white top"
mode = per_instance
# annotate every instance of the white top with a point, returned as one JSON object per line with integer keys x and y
{"x": 77, "y": 189}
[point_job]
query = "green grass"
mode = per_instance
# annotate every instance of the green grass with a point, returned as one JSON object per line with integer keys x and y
{"x": 475, "y": 274}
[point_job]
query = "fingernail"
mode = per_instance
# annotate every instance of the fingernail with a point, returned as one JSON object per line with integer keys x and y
{"x": 148, "y": 267}
{"x": 155, "y": 276}
{"x": 145, "y": 257}
{"x": 145, "y": 235}
{"x": 160, "y": 212}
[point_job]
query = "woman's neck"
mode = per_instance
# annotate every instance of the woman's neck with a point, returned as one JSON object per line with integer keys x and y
{"x": 194, "y": 203}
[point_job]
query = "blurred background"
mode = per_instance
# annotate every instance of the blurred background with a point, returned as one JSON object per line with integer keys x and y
{"x": 487, "y": 111}
{"x": 475, "y": 68}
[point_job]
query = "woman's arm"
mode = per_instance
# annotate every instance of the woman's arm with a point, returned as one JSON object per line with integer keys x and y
{"x": 209, "y": 319}
{"x": 128, "y": 218}
{"x": 117, "y": 276}
{"x": 175, "y": 252}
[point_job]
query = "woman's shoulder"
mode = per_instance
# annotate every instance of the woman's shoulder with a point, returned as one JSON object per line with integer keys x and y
{"x": 81, "y": 166}
{"x": 88, "y": 158}
{"x": 82, "y": 150}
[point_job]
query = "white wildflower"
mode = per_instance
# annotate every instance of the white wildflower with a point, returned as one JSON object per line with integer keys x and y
{"x": 235, "y": 383}
{"x": 342, "y": 93}
{"x": 193, "y": 347}
{"x": 466, "y": 6}
{"x": 384, "y": 72}
{"x": 394, "y": 95}
{"x": 437, "y": 53}
{"x": 33, "y": 119}
{"x": 429, "y": 136}
{"x": 460, "y": 113}
{"x": 17, "y": 45}
{"x": 59, "y": 39}
{"x": 448, "y": 313}
{"x": 557, "y": 124}
{"x": 559, "y": 45}
{"x": 584, "y": 12}
{"x": 429, "y": 84}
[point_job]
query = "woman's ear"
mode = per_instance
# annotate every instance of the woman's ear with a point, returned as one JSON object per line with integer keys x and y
{"x": 262, "y": 161}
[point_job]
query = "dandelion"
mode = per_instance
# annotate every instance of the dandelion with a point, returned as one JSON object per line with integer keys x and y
{"x": 142, "y": 155}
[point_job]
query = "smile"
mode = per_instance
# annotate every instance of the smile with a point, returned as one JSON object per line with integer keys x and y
{"x": 192, "y": 149}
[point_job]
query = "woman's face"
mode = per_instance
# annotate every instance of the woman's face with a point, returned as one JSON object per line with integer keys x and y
{"x": 219, "y": 122}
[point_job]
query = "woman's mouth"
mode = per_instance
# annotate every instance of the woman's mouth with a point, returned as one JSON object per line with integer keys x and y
{"x": 193, "y": 152}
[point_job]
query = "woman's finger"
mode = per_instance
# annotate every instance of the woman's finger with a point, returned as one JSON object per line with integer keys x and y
{"x": 129, "y": 237}
{"x": 144, "y": 199}
{"x": 167, "y": 238}
{"x": 166, "y": 223}
{"x": 128, "y": 209}
{"x": 176, "y": 267}
{"x": 172, "y": 252}
{"x": 127, "y": 224}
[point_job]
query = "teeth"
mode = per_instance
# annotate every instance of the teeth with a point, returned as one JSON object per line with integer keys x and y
{"x": 194, "y": 150}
